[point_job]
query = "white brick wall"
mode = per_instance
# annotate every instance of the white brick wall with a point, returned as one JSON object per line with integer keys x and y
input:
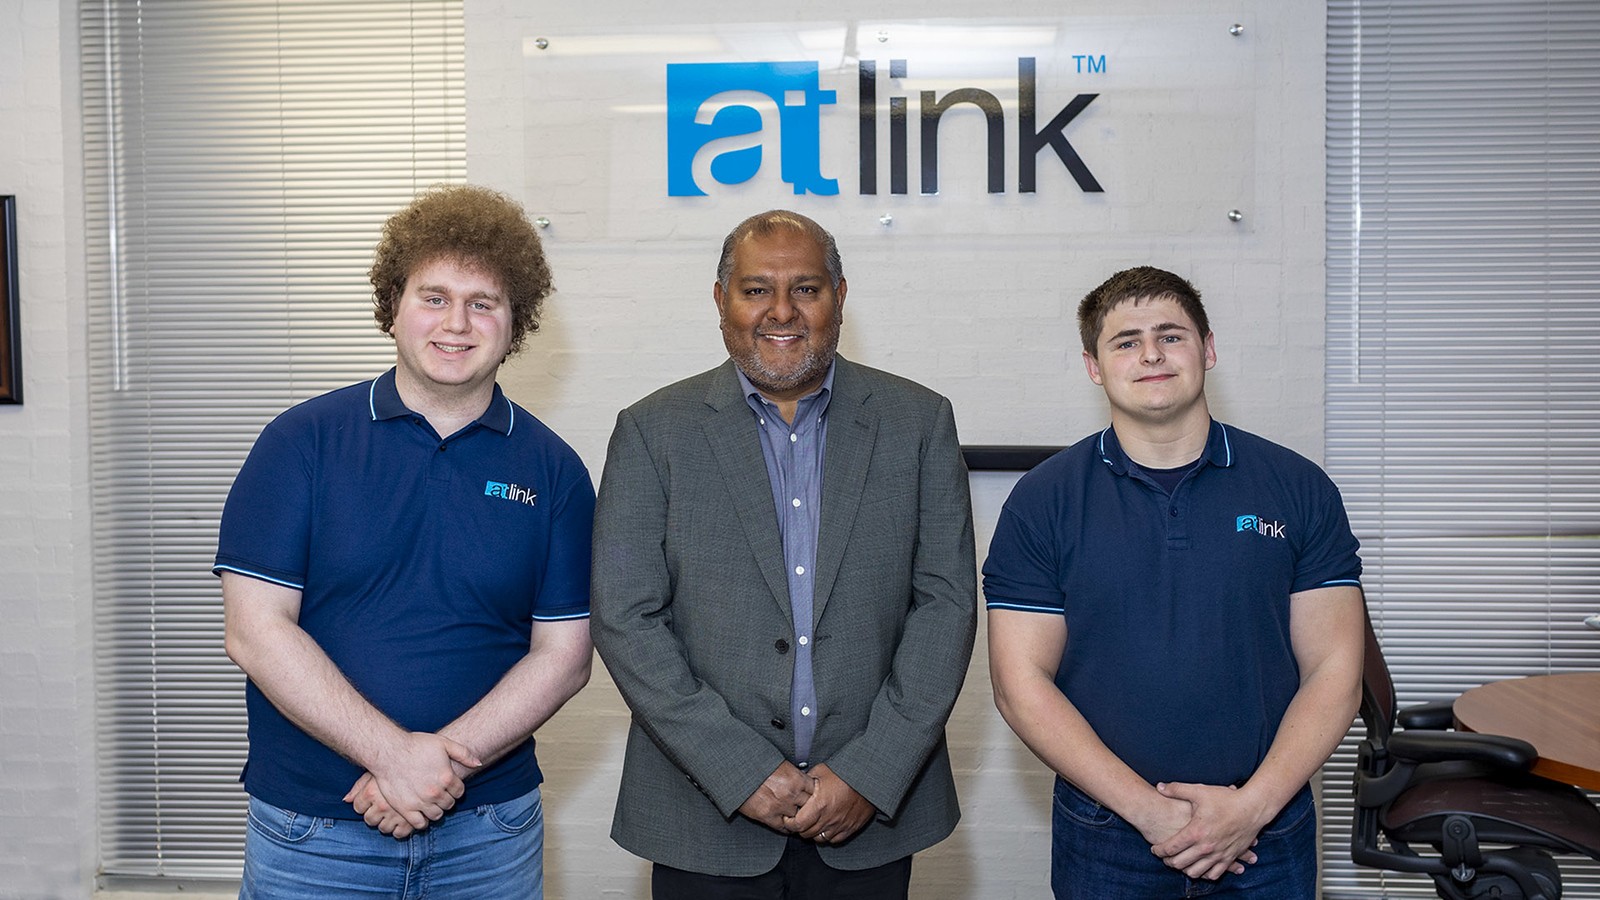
{"x": 635, "y": 312}
{"x": 46, "y": 689}
{"x": 612, "y": 336}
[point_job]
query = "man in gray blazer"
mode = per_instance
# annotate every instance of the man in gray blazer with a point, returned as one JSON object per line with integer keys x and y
{"x": 784, "y": 590}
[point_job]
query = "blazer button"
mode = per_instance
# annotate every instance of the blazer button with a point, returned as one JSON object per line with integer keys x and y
{"x": 780, "y": 645}
{"x": 778, "y": 724}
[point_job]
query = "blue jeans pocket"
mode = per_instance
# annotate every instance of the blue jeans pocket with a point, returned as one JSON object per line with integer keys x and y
{"x": 1080, "y": 807}
{"x": 1293, "y": 816}
{"x": 281, "y": 825}
{"x": 516, "y": 815}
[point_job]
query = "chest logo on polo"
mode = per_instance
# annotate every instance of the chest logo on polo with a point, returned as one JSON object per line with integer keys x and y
{"x": 512, "y": 492}
{"x": 1259, "y": 526}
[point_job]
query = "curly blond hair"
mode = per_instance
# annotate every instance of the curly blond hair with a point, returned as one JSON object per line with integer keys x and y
{"x": 476, "y": 227}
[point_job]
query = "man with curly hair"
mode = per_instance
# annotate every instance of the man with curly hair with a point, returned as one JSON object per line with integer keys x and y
{"x": 405, "y": 580}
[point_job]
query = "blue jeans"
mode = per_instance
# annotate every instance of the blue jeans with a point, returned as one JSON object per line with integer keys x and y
{"x": 1095, "y": 853}
{"x": 493, "y": 852}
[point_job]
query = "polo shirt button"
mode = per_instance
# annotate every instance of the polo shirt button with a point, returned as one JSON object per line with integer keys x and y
{"x": 780, "y": 645}
{"x": 1174, "y": 511}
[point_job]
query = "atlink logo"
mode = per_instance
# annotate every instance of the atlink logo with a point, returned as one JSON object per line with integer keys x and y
{"x": 714, "y": 108}
{"x": 1258, "y": 525}
{"x": 510, "y": 492}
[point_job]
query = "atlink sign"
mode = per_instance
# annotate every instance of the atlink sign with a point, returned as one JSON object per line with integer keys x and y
{"x": 710, "y": 103}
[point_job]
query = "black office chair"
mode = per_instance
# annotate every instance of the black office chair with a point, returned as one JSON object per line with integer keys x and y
{"x": 1492, "y": 826}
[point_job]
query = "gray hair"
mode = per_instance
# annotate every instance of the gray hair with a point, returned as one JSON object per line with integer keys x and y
{"x": 763, "y": 224}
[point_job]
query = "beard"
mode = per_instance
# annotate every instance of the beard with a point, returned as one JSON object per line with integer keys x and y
{"x": 820, "y": 348}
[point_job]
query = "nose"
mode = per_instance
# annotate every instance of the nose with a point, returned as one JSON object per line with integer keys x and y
{"x": 782, "y": 309}
{"x": 1151, "y": 352}
{"x": 456, "y": 319}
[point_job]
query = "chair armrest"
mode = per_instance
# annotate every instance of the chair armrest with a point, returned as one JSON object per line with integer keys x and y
{"x": 1436, "y": 716}
{"x": 1453, "y": 746}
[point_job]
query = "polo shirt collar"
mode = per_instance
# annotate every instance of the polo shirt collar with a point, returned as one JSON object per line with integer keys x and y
{"x": 1218, "y": 452}
{"x": 383, "y": 399}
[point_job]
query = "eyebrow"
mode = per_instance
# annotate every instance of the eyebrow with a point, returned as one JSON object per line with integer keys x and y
{"x": 440, "y": 289}
{"x": 1135, "y": 332}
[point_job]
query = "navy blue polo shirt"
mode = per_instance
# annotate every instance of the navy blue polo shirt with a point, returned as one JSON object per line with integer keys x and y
{"x": 1177, "y": 606}
{"x": 422, "y": 563}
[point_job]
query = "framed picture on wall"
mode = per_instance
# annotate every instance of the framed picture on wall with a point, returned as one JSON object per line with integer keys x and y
{"x": 10, "y": 303}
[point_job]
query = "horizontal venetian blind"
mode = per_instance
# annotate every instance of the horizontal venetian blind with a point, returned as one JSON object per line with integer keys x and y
{"x": 1463, "y": 411}
{"x": 240, "y": 159}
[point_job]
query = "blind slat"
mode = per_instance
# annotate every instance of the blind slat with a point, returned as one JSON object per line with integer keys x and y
{"x": 1463, "y": 273}
{"x": 240, "y": 159}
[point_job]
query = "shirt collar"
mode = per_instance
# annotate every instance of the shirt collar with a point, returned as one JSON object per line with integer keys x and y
{"x": 383, "y": 399}
{"x": 1218, "y": 452}
{"x": 757, "y": 402}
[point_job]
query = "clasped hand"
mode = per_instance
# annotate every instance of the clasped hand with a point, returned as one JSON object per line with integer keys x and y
{"x": 1215, "y": 827}
{"x": 818, "y": 806}
{"x": 412, "y": 784}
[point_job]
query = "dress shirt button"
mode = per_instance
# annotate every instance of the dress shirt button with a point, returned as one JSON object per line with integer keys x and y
{"x": 799, "y": 570}
{"x": 778, "y": 724}
{"x": 1174, "y": 511}
{"x": 796, "y": 502}
{"x": 793, "y": 438}
{"x": 780, "y": 645}
{"x": 805, "y": 710}
{"x": 804, "y": 640}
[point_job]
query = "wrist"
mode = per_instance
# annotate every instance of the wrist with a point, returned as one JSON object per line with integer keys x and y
{"x": 1259, "y": 802}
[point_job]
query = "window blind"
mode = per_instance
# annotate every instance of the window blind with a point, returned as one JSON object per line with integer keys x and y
{"x": 1463, "y": 414}
{"x": 240, "y": 158}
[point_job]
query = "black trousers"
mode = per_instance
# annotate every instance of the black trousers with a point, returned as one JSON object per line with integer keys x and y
{"x": 800, "y": 875}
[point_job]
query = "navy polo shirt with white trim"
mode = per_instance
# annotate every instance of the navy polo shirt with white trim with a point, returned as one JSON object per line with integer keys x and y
{"x": 422, "y": 563}
{"x": 1177, "y": 605}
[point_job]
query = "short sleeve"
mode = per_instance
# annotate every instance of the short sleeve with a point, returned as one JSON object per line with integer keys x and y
{"x": 564, "y": 592}
{"x": 1329, "y": 556}
{"x": 266, "y": 522}
{"x": 1023, "y": 568}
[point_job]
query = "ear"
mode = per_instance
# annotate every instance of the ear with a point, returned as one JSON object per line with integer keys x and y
{"x": 1211, "y": 350}
{"x": 838, "y": 303}
{"x": 717, "y": 295}
{"x": 1092, "y": 365}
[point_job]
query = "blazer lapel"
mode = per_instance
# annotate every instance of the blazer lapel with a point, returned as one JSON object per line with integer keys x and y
{"x": 737, "y": 447}
{"x": 852, "y": 430}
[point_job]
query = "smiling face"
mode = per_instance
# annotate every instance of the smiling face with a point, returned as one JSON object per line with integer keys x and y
{"x": 1151, "y": 359}
{"x": 452, "y": 329}
{"x": 780, "y": 313}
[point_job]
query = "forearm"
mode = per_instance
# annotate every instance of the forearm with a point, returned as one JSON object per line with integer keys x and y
{"x": 930, "y": 663}
{"x": 1053, "y": 728}
{"x": 1315, "y": 722}
{"x": 686, "y": 718}
{"x": 633, "y": 593}
{"x": 557, "y": 666}
{"x": 1326, "y": 630}
{"x": 906, "y": 721}
{"x": 296, "y": 675}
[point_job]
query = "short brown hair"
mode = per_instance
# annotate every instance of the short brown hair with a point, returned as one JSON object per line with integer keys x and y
{"x": 475, "y": 226}
{"x": 1138, "y": 283}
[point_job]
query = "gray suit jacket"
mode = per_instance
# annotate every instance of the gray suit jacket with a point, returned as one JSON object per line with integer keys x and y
{"x": 691, "y": 615}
